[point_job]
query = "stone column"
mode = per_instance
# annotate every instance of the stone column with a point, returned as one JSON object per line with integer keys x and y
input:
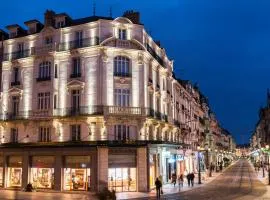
{"x": 58, "y": 173}
{"x": 25, "y": 169}
{"x": 142, "y": 179}
{"x": 102, "y": 168}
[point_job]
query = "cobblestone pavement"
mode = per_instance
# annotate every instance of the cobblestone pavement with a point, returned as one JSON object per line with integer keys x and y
{"x": 239, "y": 182}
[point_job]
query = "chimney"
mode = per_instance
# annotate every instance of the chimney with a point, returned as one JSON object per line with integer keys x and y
{"x": 133, "y": 16}
{"x": 49, "y": 18}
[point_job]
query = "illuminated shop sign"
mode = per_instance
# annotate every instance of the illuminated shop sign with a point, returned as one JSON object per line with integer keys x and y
{"x": 180, "y": 157}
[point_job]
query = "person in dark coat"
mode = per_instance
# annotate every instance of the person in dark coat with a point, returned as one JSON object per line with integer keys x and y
{"x": 174, "y": 179}
{"x": 158, "y": 187}
{"x": 188, "y": 179}
{"x": 192, "y": 176}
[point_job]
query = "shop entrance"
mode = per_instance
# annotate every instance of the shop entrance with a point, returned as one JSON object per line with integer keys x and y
{"x": 122, "y": 179}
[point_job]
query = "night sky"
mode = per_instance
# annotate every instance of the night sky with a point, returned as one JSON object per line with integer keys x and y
{"x": 224, "y": 46}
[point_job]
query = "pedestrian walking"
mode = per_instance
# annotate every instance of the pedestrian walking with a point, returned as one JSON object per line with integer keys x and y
{"x": 174, "y": 179}
{"x": 158, "y": 187}
{"x": 181, "y": 181}
{"x": 188, "y": 179}
{"x": 192, "y": 176}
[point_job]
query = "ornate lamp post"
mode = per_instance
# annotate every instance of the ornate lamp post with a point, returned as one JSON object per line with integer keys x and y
{"x": 263, "y": 161}
{"x": 199, "y": 165}
{"x": 216, "y": 160}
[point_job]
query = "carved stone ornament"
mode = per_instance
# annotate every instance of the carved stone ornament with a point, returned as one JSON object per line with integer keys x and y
{"x": 104, "y": 56}
{"x": 140, "y": 58}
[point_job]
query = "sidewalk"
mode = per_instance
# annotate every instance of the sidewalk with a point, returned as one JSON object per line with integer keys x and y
{"x": 167, "y": 189}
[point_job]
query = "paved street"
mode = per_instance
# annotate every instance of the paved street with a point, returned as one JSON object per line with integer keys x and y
{"x": 238, "y": 182}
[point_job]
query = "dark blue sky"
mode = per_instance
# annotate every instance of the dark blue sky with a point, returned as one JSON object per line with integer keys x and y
{"x": 223, "y": 45}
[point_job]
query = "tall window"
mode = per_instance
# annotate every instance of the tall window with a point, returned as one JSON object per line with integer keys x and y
{"x": 79, "y": 39}
{"x": 44, "y": 134}
{"x": 150, "y": 73}
{"x": 75, "y": 99}
{"x": 43, "y": 101}
{"x": 157, "y": 79}
{"x": 14, "y": 135}
{"x": 122, "y": 97}
{"x": 15, "y": 105}
{"x": 20, "y": 48}
{"x": 48, "y": 40}
{"x": 121, "y": 132}
{"x": 122, "y": 34}
{"x": 75, "y": 132}
{"x": 44, "y": 70}
{"x": 76, "y": 68}
{"x": 121, "y": 66}
{"x": 60, "y": 24}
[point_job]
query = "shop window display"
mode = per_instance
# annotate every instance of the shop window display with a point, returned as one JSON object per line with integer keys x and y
{"x": 122, "y": 179}
{"x": 42, "y": 177}
{"x": 76, "y": 179}
{"x": 14, "y": 177}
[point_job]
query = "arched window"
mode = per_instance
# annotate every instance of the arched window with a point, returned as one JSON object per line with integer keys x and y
{"x": 44, "y": 72}
{"x": 121, "y": 66}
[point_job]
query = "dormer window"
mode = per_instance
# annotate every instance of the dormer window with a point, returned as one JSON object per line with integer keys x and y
{"x": 122, "y": 34}
{"x": 60, "y": 24}
{"x": 48, "y": 40}
{"x": 13, "y": 34}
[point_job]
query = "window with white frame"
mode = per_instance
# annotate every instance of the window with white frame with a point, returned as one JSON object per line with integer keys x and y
{"x": 122, "y": 66}
{"x": 76, "y": 67}
{"x": 121, "y": 132}
{"x": 44, "y": 134}
{"x": 75, "y": 99}
{"x": 79, "y": 38}
{"x": 75, "y": 130}
{"x": 122, "y": 97}
{"x": 122, "y": 34}
{"x": 44, "y": 70}
{"x": 60, "y": 24}
{"x": 15, "y": 74}
{"x": 14, "y": 135}
{"x": 15, "y": 105}
{"x": 43, "y": 101}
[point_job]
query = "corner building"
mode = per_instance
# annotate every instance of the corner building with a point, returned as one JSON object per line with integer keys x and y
{"x": 86, "y": 104}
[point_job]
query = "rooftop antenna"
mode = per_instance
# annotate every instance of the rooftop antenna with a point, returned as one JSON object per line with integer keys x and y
{"x": 94, "y": 8}
{"x": 110, "y": 11}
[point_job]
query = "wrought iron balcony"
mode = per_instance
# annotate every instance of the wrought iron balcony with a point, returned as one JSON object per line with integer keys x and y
{"x": 121, "y": 74}
{"x": 15, "y": 83}
{"x": 87, "y": 42}
{"x": 40, "y": 79}
{"x": 15, "y": 115}
{"x": 16, "y": 55}
{"x": 155, "y": 55}
{"x": 41, "y": 50}
{"x": 75, "y": 75}
{"x": 82, "y": 110}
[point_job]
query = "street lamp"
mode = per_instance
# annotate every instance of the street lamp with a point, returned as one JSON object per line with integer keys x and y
{"x": 216, "y": 160}
{"x": 209, "y": 162}
{"x": 199, "y": 162}
{"x": 263, "y": 162}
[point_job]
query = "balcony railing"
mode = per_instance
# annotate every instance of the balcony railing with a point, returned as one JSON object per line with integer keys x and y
{"x": 43, "y": 79}
{"x": 87, "y": 42}
{"x": 121, "y": 74}
{"x": 15, "y": 116}
{"x": 119, "y": 110}
{"x": 16, "y": 55}
{"x": 155, "y": 55}
{"x": 43, "y": 49}
{"x": 75, "y": 75}
{"x": 15, "y": 83}
{"x": 82, "y": 110}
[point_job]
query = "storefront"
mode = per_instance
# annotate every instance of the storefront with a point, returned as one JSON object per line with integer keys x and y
{"x": 122, "y": 173}
{"x": 42, "y": 172}
{"x": 14, "y": 171}
{"x": 180, "y": 164}
{"x": 77, "y": 175}
{"x": 171, "y": 167}
{"x": 1, "y": 171}
{"x": 153, "y": 168}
